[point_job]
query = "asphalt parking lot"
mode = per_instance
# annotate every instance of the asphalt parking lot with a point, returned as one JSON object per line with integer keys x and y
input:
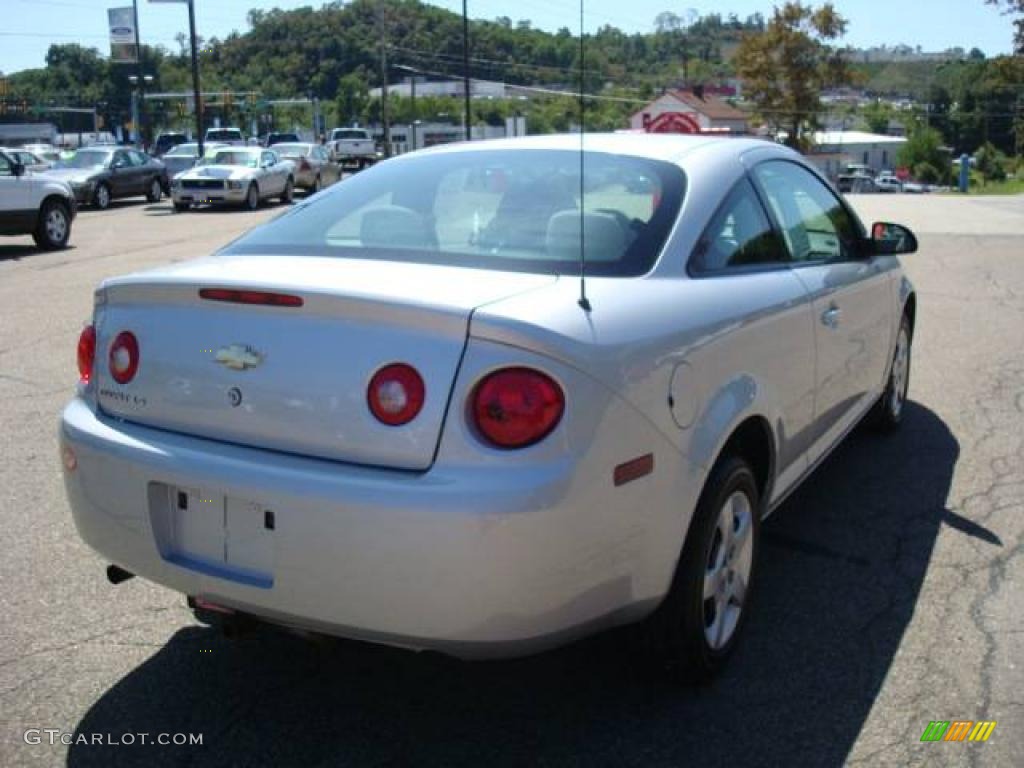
{"x": 890, "y": 585}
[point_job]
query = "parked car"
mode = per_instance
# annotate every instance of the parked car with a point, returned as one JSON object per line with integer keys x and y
{"x": 352, "y": 146}
{"x": 416, "y": 424}
{"x": 235, "y": 176}
{"x": 232, "y": 136}
{"x": 101, "y": 173}
{"x": 165, "y": 142}
{"x": 45, "y": 152}
{"x": 184, "y": 156}
{"x": 30, "y": 160}
{"x": 34, "y": 204}
{"x": 888, "y": 184}
{"x": 281, "y": 138}
{"x": 313, "y": 167}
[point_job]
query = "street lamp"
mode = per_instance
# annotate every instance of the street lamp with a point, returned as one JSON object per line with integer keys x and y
{"x": 137, "y": 106}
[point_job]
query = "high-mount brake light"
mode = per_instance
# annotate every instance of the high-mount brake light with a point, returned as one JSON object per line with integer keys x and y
{"x": 242, "y": 296}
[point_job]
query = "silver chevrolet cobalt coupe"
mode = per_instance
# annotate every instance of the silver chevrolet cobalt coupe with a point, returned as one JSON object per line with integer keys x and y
{"x": 490, "y": 397}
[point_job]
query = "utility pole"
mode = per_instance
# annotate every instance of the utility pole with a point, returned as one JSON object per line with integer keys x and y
{"x": 197, "y": 96}
{"x": 384, "y": 81}
{"x": 467, "y": 122}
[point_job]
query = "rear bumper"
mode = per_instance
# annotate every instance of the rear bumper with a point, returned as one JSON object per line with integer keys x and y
{"x": 471, "y": 561}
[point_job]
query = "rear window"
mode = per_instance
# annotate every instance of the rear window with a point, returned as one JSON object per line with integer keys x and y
{"x": 518, "y": 210}
{"x": 349, "y": 134}
{"x": 223, "y": 135}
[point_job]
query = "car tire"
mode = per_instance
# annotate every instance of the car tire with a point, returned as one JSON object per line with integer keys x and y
{"x": 252, "y": 197}
{"x": 181, "y": 207}
{"x": 695, "y": 629}
{"x": 155, "y": 191}
{"x": 101, "y": 197}
{"x": 317, "y": 185}
{"x": 54, "y": 226}
{"x": 289, "y": 193}
{"x": 887, "y": 415}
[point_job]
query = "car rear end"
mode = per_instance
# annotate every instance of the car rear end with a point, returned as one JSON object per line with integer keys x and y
{"x": 325, "y": 442}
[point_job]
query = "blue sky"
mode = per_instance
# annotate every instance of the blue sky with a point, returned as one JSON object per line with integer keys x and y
{"x": 30, "y": 26}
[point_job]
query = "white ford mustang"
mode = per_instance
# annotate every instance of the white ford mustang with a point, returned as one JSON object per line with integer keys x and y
{"x": 389, "y": 413}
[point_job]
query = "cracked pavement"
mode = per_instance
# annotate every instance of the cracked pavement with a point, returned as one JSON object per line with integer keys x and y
{"x": 890, "y": 586}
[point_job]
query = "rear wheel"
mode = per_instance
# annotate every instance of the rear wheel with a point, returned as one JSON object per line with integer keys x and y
{"x": 101, "y": 197}
{"x": 695, "y": 629}
{"x": 54, "y": 226}
{"x": 888, "y": 411}
{"x": 155, "y": 191}
{"x": 252, "y": 197}
{"x": 317, "y": 184}
{"x": 289, "y": 193}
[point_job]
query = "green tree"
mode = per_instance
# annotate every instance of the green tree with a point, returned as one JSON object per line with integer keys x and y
{"x": 877, "y": 115}
{"x": 786, "y": 67}
{"x": 1014, "y": 7}
{"x": 352, "y": 100}
{"x": 924, "y": 147}
{"x": 990, "y": 163}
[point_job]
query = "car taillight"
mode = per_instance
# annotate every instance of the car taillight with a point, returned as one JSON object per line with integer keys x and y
{"x": 396, "y": 394}
{"x": 517, "y": 407}
{"x": 124, "y": 357}
{"x": 86, "y": 353}
{"x": 304, "y": 165}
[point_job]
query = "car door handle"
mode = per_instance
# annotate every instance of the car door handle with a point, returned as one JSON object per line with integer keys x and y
{"x": 830, "y": 317}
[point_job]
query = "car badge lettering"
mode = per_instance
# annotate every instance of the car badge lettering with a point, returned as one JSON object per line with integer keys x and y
{"x": 239, "y": 357}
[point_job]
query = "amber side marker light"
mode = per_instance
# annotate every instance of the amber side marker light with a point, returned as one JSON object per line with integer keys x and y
{"x": 634, "y": 469}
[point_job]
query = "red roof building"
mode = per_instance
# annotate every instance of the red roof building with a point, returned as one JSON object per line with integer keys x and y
{"x": 694, "y": 111}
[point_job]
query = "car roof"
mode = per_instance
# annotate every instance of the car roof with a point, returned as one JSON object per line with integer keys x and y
{"x": 655, "y": 146}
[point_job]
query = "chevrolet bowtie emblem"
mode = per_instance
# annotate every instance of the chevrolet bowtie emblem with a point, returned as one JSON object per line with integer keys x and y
{"x": 239, "y": 357}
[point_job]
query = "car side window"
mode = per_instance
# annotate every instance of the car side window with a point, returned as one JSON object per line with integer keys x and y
{"x": 268, "y": 158}
{"x": 138, "y": 159}
{"x": 814, "y": 224}
{"x": 5, "y": 166}
{"x": 120, "y": 160}
{"x": 739, "y": 235}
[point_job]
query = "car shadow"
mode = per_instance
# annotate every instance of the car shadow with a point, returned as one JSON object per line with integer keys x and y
{"x": 17, "y": 252}
{"x": 841, "y": 568}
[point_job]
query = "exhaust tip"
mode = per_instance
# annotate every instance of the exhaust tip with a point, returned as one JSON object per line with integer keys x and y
{"x": 116, "y": 575}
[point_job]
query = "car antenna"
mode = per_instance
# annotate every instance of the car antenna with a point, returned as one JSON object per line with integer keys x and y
{"x": 584, "y": 302}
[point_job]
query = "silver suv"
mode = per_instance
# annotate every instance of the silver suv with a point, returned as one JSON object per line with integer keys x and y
{"x": 34, "y": 204}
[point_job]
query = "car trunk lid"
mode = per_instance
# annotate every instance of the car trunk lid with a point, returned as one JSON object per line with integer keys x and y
{"x": 293, "y": 378}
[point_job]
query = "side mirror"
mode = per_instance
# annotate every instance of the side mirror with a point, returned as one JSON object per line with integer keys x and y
{"x": 18, "y": 169}
{"x": 892, "y": 239}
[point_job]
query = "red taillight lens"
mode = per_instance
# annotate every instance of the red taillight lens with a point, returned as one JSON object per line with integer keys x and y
{"x": 517, "y": 407}
{"x": 304, "y": 165}
{"x": 86, "y": 353}
{"x": 124, "y": 357}
{"x": 396, "y": 394}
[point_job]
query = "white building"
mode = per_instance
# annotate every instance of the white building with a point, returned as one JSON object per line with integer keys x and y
{"x": 834, "y": 150}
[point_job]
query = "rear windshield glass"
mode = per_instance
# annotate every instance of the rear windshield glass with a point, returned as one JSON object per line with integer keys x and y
{"x": 293, "y": 149}
{"x": 224, "y": 135}
{"x": 517, "y": 210}
{"x": 232, "y": 157}
{"x": 348, "y": 134}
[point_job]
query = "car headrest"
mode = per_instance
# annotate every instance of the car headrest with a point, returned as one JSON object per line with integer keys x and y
{"x": 392, "y": 226}
{"x": 603, "y": 236}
